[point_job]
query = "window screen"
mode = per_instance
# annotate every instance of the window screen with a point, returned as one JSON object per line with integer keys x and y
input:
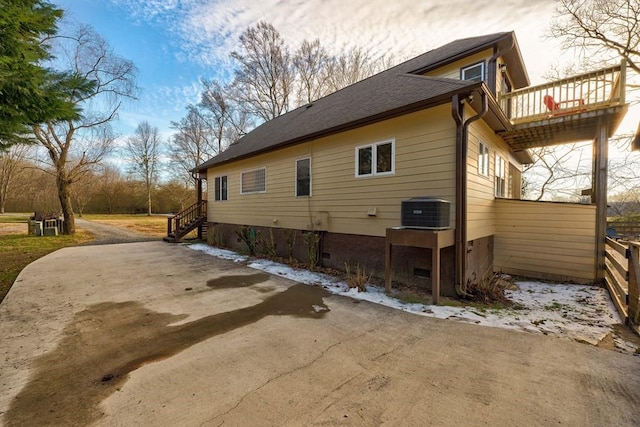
{"x": 254, "y": 181}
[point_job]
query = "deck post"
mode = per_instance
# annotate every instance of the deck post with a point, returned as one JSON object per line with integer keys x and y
{"x": 600, "y": 175}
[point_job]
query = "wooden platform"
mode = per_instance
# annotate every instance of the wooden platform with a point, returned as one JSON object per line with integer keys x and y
{"x": 419, "y": 238}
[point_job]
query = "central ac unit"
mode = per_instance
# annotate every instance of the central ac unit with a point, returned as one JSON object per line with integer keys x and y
{"x": 427, "y": 213}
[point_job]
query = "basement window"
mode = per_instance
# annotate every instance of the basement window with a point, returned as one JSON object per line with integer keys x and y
{"x": 253, "y": 181}
{"x": 473, "y": 72}
{"x": 221, "y": 189}
{"x": 375, "y": 159}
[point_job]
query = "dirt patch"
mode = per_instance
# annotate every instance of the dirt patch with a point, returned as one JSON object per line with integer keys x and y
{"x": 112, "y": 234}
{"x": 107, "y": 341}
{"x": 607, "y": 342}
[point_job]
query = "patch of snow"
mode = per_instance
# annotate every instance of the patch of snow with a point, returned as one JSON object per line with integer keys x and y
{"x": 217, "y": 252}
{"x": 580, "y": 313}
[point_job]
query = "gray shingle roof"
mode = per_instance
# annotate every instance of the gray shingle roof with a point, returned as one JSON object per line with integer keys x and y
{"x": 390, "y": 93}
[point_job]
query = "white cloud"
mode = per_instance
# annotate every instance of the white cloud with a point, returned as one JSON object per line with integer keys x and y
{"x": 209, "y": 30}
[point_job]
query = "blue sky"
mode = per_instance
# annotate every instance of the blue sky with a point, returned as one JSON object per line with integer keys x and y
{"x": 176, "y": 42}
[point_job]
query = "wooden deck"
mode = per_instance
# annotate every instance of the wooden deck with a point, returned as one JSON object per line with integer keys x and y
{"x": 566, "y": 110}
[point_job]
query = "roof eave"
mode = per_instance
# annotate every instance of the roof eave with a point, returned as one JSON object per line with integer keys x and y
{"x": 406, "y": 109}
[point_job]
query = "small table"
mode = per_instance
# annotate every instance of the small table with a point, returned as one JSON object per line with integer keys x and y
{"x": 419, "y": 238}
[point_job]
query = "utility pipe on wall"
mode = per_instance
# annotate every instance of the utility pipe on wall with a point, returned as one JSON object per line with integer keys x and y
{"x": 462, "y": 148}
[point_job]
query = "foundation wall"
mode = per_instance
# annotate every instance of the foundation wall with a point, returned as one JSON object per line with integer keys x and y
{"x": 411, "y": 266}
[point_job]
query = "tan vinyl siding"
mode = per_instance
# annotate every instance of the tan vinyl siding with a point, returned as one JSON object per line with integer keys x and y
{"x": 499, "y": 87}
{"x": 480, "y": 189}
{"x": 452, "y": 71}
{"x": 546, "y": 240}
{"x": 424, "y": 166}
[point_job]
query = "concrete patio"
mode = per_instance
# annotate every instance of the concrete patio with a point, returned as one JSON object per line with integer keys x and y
{"x": 156, "y": 334}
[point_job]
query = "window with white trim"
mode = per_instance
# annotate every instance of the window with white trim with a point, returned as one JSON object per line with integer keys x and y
{"x": 376, "y": 159}
{"x": 303, "y": 177}
{"x": 473, "y": 72}
{"x": 483, "y": 159}
{"x": 221, "y": 189}
{"x": 253, "y": 181}
{"x": 500, "y": 175}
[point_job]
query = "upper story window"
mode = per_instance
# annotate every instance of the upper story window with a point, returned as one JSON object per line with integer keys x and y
{"x": 483, "y": 159}
{"x": 303, "y": 177}
{"x": 221, "y": 189}
{"x": 473, "y": 72}
{"x": 500, "y": 173}
{"x": 254, "y": 181}
{"x": 376, "y": 159}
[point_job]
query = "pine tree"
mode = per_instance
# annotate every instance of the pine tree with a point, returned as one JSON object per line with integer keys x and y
{"x": 29, "y": 92}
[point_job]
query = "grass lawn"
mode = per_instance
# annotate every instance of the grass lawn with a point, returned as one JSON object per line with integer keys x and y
{"x": 18, "y": 249}
{"x": 154, "y": 225}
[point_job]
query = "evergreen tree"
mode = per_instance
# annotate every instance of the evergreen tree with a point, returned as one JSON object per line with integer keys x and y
{"x": 29, "y": 92}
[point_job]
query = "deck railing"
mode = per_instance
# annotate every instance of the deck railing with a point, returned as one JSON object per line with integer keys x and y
{"x": 584, "y": 92}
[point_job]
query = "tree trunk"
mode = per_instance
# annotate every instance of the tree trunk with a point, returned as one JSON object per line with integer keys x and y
{"x": 148, "y": 201}
{"x": 64, "y": 194}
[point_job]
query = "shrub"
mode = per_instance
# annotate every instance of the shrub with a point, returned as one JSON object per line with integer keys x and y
{"x": 358, "y": 278}
{"x": 268, "y": 245}
{"x": 290, "y": 237}
{"x": 488, "y": 289}
{"x": 312, "y": 239}
{"x": 248, "y": 236}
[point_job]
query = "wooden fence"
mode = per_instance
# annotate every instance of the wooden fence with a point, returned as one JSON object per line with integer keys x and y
{"x": 622, "y": 277}
{"x": 629, "y": 230}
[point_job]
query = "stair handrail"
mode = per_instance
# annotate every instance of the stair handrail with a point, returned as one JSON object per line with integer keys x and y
{"x": 194, "y": 212}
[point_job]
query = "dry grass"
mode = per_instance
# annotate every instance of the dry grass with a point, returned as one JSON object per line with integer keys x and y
{"x": 154, "y": 225}
{"x": 488, "y": 289}
{"x": 357, "y": 278}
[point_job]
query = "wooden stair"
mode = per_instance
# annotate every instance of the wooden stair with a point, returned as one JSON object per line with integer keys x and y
{"x": 180, "y": 224}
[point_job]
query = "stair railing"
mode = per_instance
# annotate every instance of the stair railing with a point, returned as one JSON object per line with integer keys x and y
{"x": 176, "y": 223}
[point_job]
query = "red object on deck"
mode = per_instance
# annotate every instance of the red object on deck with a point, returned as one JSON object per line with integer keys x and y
{"x": 554, "y": 107}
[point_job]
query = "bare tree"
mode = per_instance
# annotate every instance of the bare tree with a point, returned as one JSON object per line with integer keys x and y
{"x": 603, "y": 29}
{"x": 311, "y": 62}
{"x": 177, "y": 194}
{"x": 112, "y": 187}
{"x": 351, "y": 66}
{"x": 603, "y": 32}
{"x": 191, "y": 144}
{"x": 558, "y": 173}
{"x": 12, "y": 163}
{"x": 144, "y": 149}
{"x": 83, "y": 191}
{"x": 217, "y": 109}
{"x": 264, "y": 78}
{"x": 75, "y": 146}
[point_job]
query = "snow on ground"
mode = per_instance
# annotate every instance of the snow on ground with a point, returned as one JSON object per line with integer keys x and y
{"x": 577, "y": 312}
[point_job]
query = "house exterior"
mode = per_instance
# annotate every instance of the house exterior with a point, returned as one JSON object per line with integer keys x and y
{"x": 452, "y": 124}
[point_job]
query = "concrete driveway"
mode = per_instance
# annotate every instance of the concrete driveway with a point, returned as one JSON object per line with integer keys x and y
{"x": 157, "y": 334}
